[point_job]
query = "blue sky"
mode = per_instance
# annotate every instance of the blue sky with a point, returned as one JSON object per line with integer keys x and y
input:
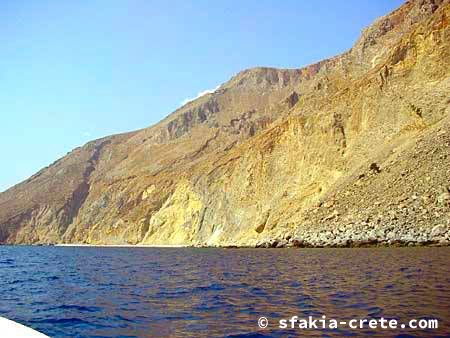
{"x": 73, "y": 71}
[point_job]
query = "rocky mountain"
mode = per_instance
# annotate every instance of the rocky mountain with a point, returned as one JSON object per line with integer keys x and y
{"x": 351, "y": 150}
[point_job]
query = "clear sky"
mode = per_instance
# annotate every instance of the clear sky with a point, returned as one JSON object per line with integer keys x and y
{"x": 73, "y": 71}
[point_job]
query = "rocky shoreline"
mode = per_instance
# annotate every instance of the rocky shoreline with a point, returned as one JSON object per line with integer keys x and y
{"x": 349, "y": 244}
{"x": 369, "y": 235}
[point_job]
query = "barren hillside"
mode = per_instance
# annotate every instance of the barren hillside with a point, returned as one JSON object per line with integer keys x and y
{"x": 354, "y": 149}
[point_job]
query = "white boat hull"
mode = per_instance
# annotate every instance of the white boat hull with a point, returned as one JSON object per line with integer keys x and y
{"x": 11, "y": 329}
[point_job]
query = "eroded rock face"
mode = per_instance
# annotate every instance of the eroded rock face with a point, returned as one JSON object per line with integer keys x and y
{"x": 353, "y": 150}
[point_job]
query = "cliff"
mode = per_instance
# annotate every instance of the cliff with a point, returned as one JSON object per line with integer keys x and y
{"x": 354, "y": 149}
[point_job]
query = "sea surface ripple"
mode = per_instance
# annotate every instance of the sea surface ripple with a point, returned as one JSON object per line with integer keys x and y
{"x": 166, "y": 292}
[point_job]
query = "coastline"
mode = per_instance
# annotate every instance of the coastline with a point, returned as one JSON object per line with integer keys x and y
{"x": 344, "y": 236}
{"x": 124, "y": 245}
{"x": 274, "y": 244}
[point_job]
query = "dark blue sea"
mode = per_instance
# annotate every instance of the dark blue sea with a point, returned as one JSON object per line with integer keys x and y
{"x": 182, "y": 292}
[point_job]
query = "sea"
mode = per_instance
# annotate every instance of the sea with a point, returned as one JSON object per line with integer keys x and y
{"x": 211, "y": 292}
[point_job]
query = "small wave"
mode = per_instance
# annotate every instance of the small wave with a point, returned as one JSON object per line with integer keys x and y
{"x": 8, "y": 261}
{"x": 212, "y": 287}
{"x": 52, "y": 278}
{"x": 248, "y": 335}
{"x": 122, "y": 318}
{"x": 374, "y": 311}
{"x": 23, "y": 281}
{"x": 79, "y": 308}
{"x": 61, "y": 321}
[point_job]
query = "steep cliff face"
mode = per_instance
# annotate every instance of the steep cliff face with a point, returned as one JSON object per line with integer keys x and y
{"x": 355, "y": 148}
